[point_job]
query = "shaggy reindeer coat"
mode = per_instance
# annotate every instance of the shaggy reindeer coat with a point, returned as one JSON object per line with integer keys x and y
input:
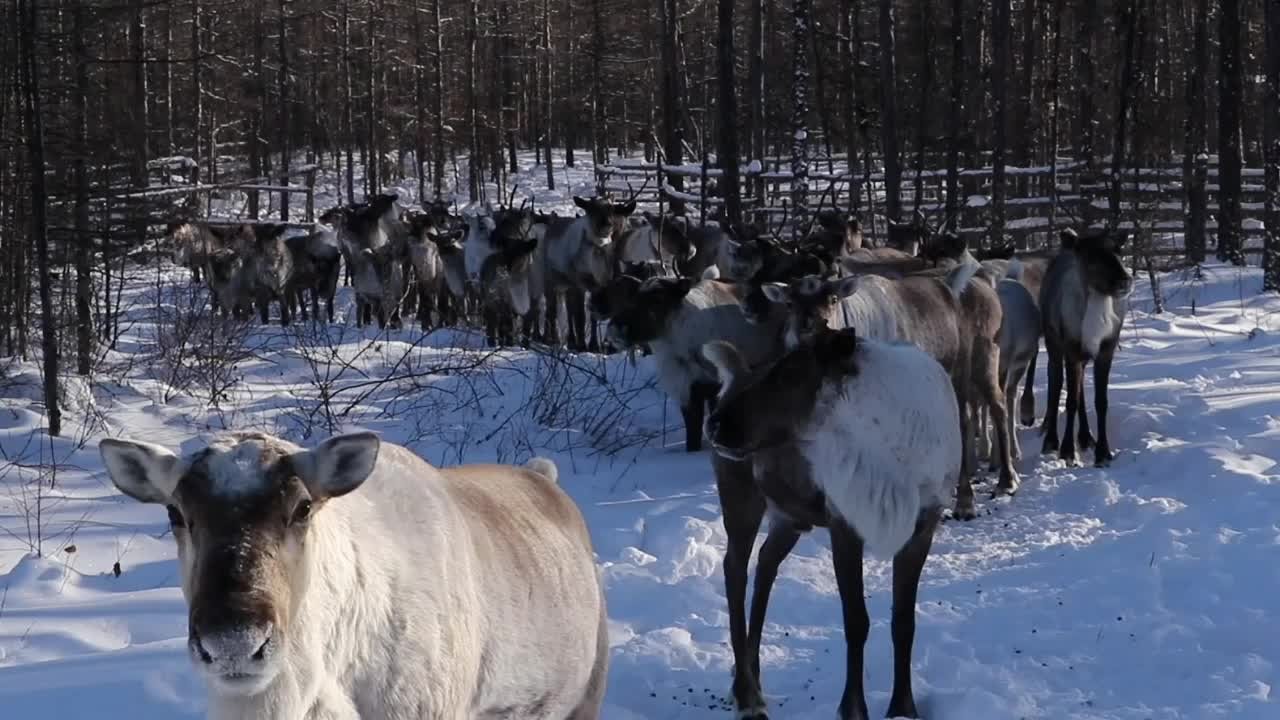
{"x": 448, "y": 594}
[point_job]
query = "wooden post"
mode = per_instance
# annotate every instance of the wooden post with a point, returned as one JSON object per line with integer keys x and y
{"x": 310, "y": 179}
{"x": 284, "y": 197}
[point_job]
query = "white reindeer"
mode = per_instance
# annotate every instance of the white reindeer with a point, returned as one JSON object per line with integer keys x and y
{"x": 468, "y": 592}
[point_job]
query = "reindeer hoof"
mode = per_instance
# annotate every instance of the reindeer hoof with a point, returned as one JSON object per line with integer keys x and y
{"x": 1008, "y": 484}
{"x": 1103, "y": 457}
{"x": 1084, "y": 442}
{"x": 964, "y": 511}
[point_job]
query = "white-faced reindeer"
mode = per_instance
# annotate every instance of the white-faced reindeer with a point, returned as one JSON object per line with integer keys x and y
{"x": 860, "y": 437}
{"x": 1082, "y": 306}
{"x": 953, "y": 318}
{"x": 431, "y": 234}
{"x": 577, "y": 258}
{"x": 354, "y": 580}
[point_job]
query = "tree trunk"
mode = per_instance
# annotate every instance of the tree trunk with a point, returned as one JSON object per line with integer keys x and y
{"x": 1026, "y": 127}
{"x": 437, "y": 174}
{"x": 141, "y": 97}
{"x": 549, "y": 90}
{"x": 1271, "y": 146}
{"x": 800, "y": 14}
{"x": 889, "y": 111}
{"x": 1001, "y": 40}
{"x": 282, "y": 90}
{"x": 83, "y": 240}
{"x": 598, "y": 141}
{"x": 348, "y": 102}
{"x": 474, "y": 167}
{"x": 419, "y": 105}
{"x": 849, "y": 106}
{"x": 755, "y": 93}
{"x": 1197, "y": 133}
{"x": 1085, "y": 84}
{"x": 39, "y": 226}
{"x": 1129, "y": 23}
{"x": 257, "y": 116}
{"x": 1230, "y": 106}
{"x": 570, "y": 89}
{"x": 197, "y": 87}
{"x": 958, "y": 74}
{"x": 672, "y": 126}
{"x": 728, "y": 146}
{"x": 372, "y": 156}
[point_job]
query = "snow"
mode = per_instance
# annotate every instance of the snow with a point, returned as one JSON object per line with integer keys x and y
{"x": 1144, "y": 590}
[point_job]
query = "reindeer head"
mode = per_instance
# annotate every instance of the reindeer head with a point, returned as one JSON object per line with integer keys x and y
{"x": 788, "y": 388}
{"x": 242, "y": 511}
{"x": 647, "y": 316}
{"x": 605, "y": 219}
{"x": 1099, "y": 255}
{"x": 811, "y": 303}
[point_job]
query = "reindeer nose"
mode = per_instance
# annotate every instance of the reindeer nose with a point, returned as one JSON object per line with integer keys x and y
{"x": 249, "y": 643}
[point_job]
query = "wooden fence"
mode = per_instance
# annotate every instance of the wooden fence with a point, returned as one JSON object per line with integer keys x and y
{"x": 1039, "y": 200}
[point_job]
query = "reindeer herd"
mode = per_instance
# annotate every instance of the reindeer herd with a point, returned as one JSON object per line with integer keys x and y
{"x": 840, "y": 385}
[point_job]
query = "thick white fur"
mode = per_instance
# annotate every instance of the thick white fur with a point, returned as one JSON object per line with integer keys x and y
{"x": 710, "y": 312}
{"x": 544, "y": 467}
{"x": 1101, "y": 321}
{"x": 884, "y": 444}
{"x": 416, "y": 606}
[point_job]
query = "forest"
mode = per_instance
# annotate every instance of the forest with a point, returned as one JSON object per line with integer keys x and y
{"x": 1104, "y": 111}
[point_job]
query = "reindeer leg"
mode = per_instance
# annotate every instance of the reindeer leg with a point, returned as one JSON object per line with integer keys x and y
{"x": 1012, "y": 381}
{"x": 846, "y": 554}
{"x": 1084, "y": 438}
{"x": 553, "y": 321}
{"x": 777, "y": 546}
{"x": 988, "y": 379}
{"x": 908, "y": 564}
{"x": 1027, "y": 406}
{"x": 964, "y": 509}
{"x": 743, "y": 509}
{"x": 1102, "y": 454}
{"x": 1054, "y": 396}
{"x": 1074, "y": 370}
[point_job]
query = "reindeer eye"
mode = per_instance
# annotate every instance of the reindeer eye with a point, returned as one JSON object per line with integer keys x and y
{"x": 175, "y": 517}
{"x": 302, "y": 513}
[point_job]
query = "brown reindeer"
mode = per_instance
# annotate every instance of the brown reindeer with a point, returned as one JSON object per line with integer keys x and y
{"x": 862, "y": 438}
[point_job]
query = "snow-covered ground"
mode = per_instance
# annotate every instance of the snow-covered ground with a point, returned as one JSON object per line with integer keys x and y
{"x": 1146, "y": 590}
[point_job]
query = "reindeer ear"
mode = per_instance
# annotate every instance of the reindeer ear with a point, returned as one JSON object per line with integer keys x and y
{"x": 777, "y": 292}
{"x": 1119, "y": 239}
{"x": 844, "y": 287}
{"x": 143, "y": 471}
{"x": 809, "y": 285}
{"x": 581, "y": 202}
{"x": 1068, "y": 238}
{"x": 625, "y": 208}
{"x": 726, "y": 359}
{"x": 338, "y": 465}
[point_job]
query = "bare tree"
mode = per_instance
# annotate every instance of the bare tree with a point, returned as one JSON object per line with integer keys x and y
{"x": 1230, "y": 160}
{"x": 728, "y": 146}
{"x": 1271, "y": 146}
{"x": 889, "y": 110}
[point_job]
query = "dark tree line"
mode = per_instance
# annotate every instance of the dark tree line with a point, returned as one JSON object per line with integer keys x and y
{"x": 95, "y": 95}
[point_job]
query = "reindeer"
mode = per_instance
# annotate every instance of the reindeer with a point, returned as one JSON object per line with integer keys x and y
{"x": 230, "y": 284}
{"x": 860, "y": 437}
{"x": 428, "y": 234}
{"x": 674, "y": 318}
{"x": 270, "y": 264}
{"x": 427, "y": 593}
{"x": 953, "y": 318}
{"x": 950, "y": 248}
{"x": 661, "y": 238}
{"x": 1082, "y": 307}
{"x": 316, "y": 260}
{"x": 838, "y": 235}
{"x": 195, "y": 242}
{"x": 576, "y": 257}
{"x": 761, "y": 258}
